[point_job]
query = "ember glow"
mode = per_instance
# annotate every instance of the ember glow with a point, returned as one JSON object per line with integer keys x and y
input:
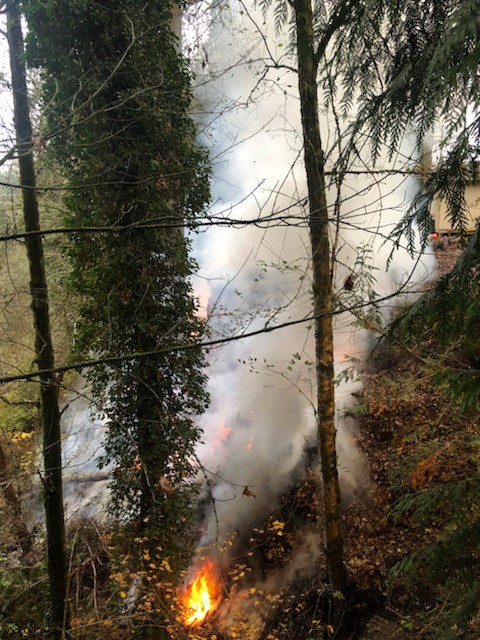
{"x": 202, "y": 595}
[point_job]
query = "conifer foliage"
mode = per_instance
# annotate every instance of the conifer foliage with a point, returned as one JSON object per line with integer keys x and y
{"x": 116, "y": 97}
{"x": 414, "y": 65}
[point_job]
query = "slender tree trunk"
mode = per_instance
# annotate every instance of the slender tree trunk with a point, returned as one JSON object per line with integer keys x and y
{"x": 322, "y": 291}
{"x": 43, "y": 343}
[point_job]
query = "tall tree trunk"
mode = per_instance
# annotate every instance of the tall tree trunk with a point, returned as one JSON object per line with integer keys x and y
{"x": 57, "y": 565}
{"x": 322, "y": 290}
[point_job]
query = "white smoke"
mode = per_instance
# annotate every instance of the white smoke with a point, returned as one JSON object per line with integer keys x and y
{"x": 262, "y": 387}
{"x": 261, "y": 418}
{"x": 85, "y": 486}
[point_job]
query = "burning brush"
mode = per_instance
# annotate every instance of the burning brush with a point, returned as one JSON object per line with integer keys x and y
{"x": 201, "y": 596}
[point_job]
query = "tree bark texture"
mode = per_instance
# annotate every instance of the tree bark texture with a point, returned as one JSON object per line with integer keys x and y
{"x": 322, "y": 291}
{"x": 53, "y": 498}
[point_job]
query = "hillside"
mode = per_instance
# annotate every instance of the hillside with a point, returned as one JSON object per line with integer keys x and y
{"x": 423, "y": 459}
{"x": 423, "y": 456}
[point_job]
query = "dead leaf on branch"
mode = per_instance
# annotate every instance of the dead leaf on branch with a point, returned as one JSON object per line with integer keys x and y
{"x": 166, "y": 486}
{"x": 249, "y": 493}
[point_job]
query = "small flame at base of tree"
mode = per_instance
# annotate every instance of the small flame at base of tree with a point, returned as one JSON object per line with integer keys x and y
{"x": 202, "y": 595}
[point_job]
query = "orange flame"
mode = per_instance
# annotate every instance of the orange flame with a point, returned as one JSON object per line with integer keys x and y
{"x": 202, "y": 595}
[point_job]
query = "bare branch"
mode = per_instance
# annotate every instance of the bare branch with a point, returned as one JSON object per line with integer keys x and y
{"x": 209, "y": 344}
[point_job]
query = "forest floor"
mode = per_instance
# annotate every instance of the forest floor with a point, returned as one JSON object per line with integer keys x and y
{"x": 414, "y": 438}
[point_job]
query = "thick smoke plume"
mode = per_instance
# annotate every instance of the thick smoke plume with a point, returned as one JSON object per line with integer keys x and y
{"x": 261, "y": 422}
{"x": 259, "y": 432}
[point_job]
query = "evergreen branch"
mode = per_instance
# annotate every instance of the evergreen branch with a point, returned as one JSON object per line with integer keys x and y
{"x": 342, "y": 15}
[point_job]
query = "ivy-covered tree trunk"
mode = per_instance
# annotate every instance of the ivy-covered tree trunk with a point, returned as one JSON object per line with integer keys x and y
{"x": 52, "y": 480}
{"x": 322, "y": 291}
{"x": 118, "y": 96}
